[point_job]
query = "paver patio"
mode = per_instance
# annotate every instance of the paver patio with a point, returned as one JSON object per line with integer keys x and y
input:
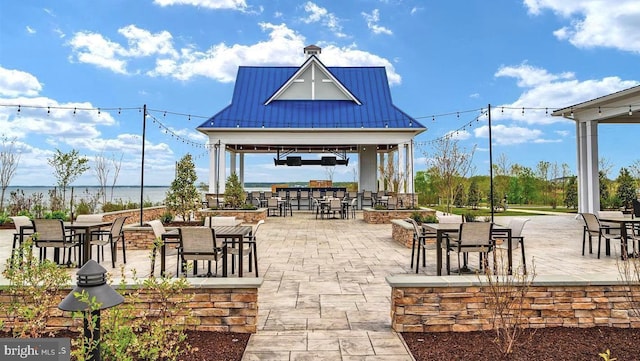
{"x": 325, "y": 297}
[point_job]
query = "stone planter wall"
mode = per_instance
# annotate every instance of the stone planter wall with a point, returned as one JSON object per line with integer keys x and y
{"x": 148, "y": 214}
{"x": 459, "y": 304}
{"x": 217, "y": 304}
{"x": 402, "y": 232}
{"x": 247, "y": 216}
{"x": 374, "y": 216}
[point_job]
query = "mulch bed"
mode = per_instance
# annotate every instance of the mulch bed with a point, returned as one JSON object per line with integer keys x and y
{"x": 205, "y": 346}
{"x": 559, "y": 343}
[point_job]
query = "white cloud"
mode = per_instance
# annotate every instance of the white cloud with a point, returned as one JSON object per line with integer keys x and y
{"x": 220, "y": 62}
{"x": 92, "y": 48}
{"x": 240, "y": 5}
{"x": 351, "y": 56}
{"x": 372, "y": 23}
{"x": 415, "y": 9}
{"x": 504, "y": 135}
{"x": 543, "y": 89}
{"x": 595, "y": 23}
{"x": 143, "y": 43}
{"x": 322, "y": 15}
{"x": 30, "y": 30}
{"x": 14, "y": 83}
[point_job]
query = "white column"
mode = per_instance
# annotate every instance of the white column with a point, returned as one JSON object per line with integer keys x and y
{"x": 241, "y": 175}
{"x": 220, "y": 168}
{"x": 368, "y": 169}
{"x": 380, "y": 171}
{"x": 591, "y": 165}
{"x": 402, "y": 167}
{"x": 410, "y": 170}
{"x": 232, "y": 162}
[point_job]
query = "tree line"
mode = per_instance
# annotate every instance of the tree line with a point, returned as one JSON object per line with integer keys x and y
{"x": 449, "y": 181}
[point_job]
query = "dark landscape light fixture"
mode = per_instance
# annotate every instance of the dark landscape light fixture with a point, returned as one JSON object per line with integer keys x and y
{"x": 92, "y": 279}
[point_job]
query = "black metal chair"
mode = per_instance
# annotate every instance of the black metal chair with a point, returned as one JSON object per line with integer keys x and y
{"x": 199, "y": 244}
{"x": 51, "y": 234}
{"x": 103, "y": 237}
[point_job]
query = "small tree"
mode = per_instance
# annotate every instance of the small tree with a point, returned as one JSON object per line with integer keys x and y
{"x": 102, "y": 171}
{"x": 626, "y": 191}
{"x": 67, "y": 167}
{"x": 9, "y": 160}
{"x": 473, "y": 198}
{"x": 182, "y": 197}
{"x": 571, "y": 195}
{"x": 234, "y": 195}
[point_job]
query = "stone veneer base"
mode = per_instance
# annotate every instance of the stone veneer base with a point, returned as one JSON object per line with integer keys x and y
{"x": 217, "y": 304}
{"x": 459, "y": 303}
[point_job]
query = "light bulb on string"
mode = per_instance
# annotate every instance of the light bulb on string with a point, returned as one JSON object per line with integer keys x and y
{"x": 523, "y": 111}
{"x": 119, "y": 111}
{"x": 98, "y": 111}
{"x": 165, "y": 114}
{"x": 630, "y": 111}
{"x": 74, "y": 112}
{"x": 546, "y": 111}
{"x": 48, "y": 110}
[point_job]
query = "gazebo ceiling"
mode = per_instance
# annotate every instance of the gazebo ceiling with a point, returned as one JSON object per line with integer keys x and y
{"x": 305, "y": 148}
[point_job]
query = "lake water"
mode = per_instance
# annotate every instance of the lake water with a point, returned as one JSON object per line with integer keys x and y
{"x": 154, "y": 194}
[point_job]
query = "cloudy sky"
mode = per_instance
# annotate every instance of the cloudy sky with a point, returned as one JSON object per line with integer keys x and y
{"x": 446, "y": 61}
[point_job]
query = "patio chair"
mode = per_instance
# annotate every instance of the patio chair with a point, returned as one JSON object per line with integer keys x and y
{"x": 335, "y": 205}
{"x": 420, "y": 242}
{"x": 101, "y": 238}
{"x": 199, "y": 244}
{"x": 158, "y": 231}
{"x": 474, "y": 237}
{"x": 367, "y": 197}
{"x": 250, "y": 248}
{"x": 593, "y": 228}
{"x": 19, "y": 222}
{"x": 303, "y": 198}
{"x": 636, "y": 208}
{"x": 516, "y": 225}
{"x": 354, "y": 206}
{"x": 273, "y": 207}
{"x": 51, "y": 234}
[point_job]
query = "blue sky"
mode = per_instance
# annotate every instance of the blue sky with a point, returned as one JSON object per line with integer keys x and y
{"x": 444, "y": 58}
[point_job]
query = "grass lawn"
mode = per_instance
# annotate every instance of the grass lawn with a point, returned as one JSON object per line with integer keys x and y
{"x": 513, "y": 210}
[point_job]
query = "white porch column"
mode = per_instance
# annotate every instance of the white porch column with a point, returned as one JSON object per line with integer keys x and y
{"x": 232, "y": 162}
{"x": 380, "y": 172}
{"x": 410, "y": 169}
{"x": 218, "y": 168}
{"x": 368, "y": 168}
{"x": 591, "y": 182}
{"x": 241, "y": 175}
{"x": 402, "y": 167}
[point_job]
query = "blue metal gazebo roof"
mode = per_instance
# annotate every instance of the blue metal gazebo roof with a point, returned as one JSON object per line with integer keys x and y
{"x": 255, "y": 85}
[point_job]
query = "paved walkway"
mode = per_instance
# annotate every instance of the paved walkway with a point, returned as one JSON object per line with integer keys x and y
{"x": 324, "y": 295}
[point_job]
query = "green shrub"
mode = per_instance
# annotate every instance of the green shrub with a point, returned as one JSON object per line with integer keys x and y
{"x": 4, "y": 218}
{"x": 249, "y": 207}
{"x": 166, "y": 217}
{"x": 56, "y": 215}
{"x": 82, "y": 208}
{"x": 34, "y": 288}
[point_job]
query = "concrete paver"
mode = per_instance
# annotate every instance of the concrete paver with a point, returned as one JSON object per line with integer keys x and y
{"x": 325, "y": 297}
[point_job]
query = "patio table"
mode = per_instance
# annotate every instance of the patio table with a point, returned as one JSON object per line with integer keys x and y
{"x": 443, "y": 228}
{"x": 623, "y": 222}
{"x": 84, "y": 229}
{"x": 235, "y": 234}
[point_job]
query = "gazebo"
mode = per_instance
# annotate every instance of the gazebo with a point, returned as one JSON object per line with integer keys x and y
{"x": 312, "y": 115}
{"x": 622, "y": 107}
